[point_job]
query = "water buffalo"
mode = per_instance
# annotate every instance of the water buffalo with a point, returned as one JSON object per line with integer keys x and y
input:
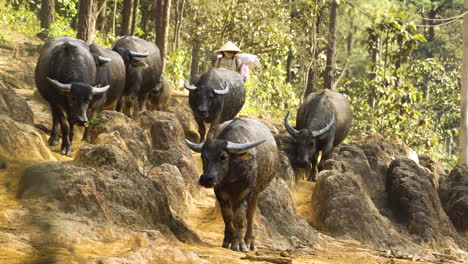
{"x": 160, "y": 95}
{"x": 143, "y": 71}
{"x": 239, "y": 163}
{"x": 65, "y": 74}
{"x": 111, "y": 73}
{"x": 216, "y": 96}
{"x": 323, "y": 121}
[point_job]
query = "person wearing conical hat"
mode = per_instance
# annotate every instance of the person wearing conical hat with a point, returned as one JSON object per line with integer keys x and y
{"x": 228, "y": 60}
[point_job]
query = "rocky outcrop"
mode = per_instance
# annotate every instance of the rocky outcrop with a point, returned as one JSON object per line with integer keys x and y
{"x": 279, "y": 227}
{"x": 15, "y": 107}
{"x": 453, "y": 194}
{"x": 414, "y": 201}
{"x": 167, "y": 140}
{"x": 105, "y": 185}
{"x": 116, "y": 128}
{"x": 20, "y": 141}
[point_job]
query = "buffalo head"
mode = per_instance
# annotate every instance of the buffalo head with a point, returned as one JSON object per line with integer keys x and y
{"x": 205, "y": 96}
{"x": 216, "y": 156}
{"x": 306, "y": 141}
{"x": 79, "y": 96}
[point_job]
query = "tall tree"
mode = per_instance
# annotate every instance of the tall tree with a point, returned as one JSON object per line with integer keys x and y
{"x": 312, "y": 71}
{"x": 101, "y": 23}
{"x": 136, "y": 3}
{"x": 331, "y": 50}
{"x": 87, "y": 14}
{"x": 163, "y": 12}
{"x": 127, "y": 16}
{"x": 179, "y": 15}
{"x": 463, "y": 147}
{"x": 47, "y": 13}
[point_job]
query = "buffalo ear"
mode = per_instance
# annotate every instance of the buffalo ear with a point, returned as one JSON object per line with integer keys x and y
{"x": 138, "y": 63}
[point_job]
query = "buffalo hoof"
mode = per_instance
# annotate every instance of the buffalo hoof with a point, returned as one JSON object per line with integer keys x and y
{"x": 225, "y": 245}
{"x": 68, "y": 151}
{"x": 312, "y": 179}
{"x": 250, "y": 243}
{"x": 243, "y": 248}
{"x": 53, "y": 142}
{"x": 235, "y": 248}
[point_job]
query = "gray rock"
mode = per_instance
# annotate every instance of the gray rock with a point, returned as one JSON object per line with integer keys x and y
{"x": 453, "y": 194}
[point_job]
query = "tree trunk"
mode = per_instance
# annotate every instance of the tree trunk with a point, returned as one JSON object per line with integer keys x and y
{"x": 158, "y": 14}
{"x": 463, "y": 143}
{"x": 87, "y": 20}
{"x": 331, "y": 50}
{"x": 289, "y": 60}
{"x": 162, "y": 30}
{"x": 145, "y": 9}
{"x": 136, "y": 3}
{"x": 179, "y": 23}
{"x": 127, "y": 15}
{"x": 101, "y": 23}
{"x": 195, "y": 58}
{"x": 114, "y": 17}
{"x": 47, "y": 13}
{"x": 312, "y": 70}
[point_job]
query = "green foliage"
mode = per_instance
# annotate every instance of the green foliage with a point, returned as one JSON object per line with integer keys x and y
{"x": 176, "y": 68}
{"x": 18, "y": 19}
{"x": 60, "y": 27}
{"x": 268, "y": 95}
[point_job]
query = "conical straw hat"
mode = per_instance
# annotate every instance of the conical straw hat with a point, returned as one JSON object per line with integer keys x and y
{"x": 229, "y": 46}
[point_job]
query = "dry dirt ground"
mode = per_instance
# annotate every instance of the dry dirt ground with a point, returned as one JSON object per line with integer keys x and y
{"x": 76, "y": 240}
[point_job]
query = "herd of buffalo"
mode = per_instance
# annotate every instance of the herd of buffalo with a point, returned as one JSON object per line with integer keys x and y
{"x": 240, "y": 156}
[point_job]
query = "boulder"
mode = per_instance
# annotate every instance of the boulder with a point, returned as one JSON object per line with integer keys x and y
{"x": 279, "y": 227}
{"x": 342, "y": 208}
{"x": 385, "y": 150}
{"x": 15, "y": 107}
{"x": 174, "y": 187}
{"x": 104, "y": 185}
{"x": 20, "y": 141}
{"x": 168, "y": 145}
{"x": 136, "y": 139}
{"x": 414, "y": 201}
{"x": 351, "y": 159}
{"x": 453, "y": 194}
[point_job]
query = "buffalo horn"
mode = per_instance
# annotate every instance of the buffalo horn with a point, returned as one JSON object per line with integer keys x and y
{"x": 291, "y": 130}
{"x": 193, "y": 146}
{"x": 188, "y": 86}
{"x": 325, "y": 129}
{"x": 100, "y": 90}
{"x": 224, "y": 91}
{"x": 63, "y": 87}
{"x": 139, "y": 54}
{"x": 104, "y": 59}
{"x": 239, "y": 148}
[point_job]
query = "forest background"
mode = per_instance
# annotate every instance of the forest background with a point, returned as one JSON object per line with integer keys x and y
{"x": 398, "y": 61}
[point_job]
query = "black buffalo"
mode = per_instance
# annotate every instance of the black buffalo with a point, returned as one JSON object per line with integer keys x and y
{"x": 160, "y": 96}
{"x": 216, "y": 96}
{"x": 65, "y": 74}
{"x": 143, "y": 71}
{"x": 323, "y": 121}
{"x": 111, "y": 73}
{"x": 239, "y": 163}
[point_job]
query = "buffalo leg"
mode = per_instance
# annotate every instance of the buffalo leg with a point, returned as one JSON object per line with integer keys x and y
{"x": 251, "y": 211}
{"x": 54, "y": 137}
{"x": 314, "y": 170}
{"x": 66, "y": 144}
{"x": 213, "y": 127}
{"x": 92, "y": 115}
{"x": 201, "y": 129}
{"x": 226, "y": 211}
{"x": 118, "y": 108}
{"x": 142, "y": 99}
{"x": 238, "y": 243}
